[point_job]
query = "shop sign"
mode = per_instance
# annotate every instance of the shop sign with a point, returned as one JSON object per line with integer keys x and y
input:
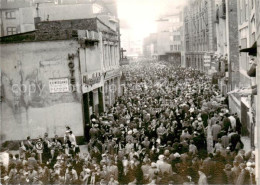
{"x": 112, "y": 73}
{"x": 91, "y": 81}
{"x": 59, "y": 85}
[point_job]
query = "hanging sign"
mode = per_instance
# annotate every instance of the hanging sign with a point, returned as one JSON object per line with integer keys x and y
{"x": 91, "y": 81}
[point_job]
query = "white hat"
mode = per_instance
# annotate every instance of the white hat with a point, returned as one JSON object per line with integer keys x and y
{"x": 248, "y": 164}
{"x": 153, "y": 165}
{"x": 161, "y": 157}
{"x": 129, "y": 132}
{"x": 93, "y": 119}
{"x": 6, "y": 178}
{"x": 104, "y": 155}
{"x": 87, "y": 170}
{"x": 176, "y": 154}
{"x": 57, "y": 165}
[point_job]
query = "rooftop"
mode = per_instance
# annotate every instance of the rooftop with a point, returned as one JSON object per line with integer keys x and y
{"x": 59, "y": 30}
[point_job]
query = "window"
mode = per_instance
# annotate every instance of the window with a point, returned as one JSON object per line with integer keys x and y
{"x": 11, "y": 30}
{"x": 10, "y": 15}
{"x": 171, "y": 47}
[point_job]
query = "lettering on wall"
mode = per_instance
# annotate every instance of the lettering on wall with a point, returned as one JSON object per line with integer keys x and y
{"x": 72, "y": 75}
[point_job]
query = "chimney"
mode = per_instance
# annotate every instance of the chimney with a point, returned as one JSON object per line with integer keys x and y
{"x": 36, "y": 21}
{"x": 38, "y": 18}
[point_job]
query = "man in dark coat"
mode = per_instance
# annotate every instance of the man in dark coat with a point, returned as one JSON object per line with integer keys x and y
{"x": 238, "y": 124}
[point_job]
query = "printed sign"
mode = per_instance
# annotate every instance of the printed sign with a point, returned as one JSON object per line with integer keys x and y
{"x": 59, "y": 85}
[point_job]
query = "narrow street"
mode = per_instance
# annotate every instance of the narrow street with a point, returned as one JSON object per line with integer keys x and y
{"x": 111, "y": 92}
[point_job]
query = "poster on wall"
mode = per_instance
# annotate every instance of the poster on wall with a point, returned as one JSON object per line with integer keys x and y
{"x": 59, "y": 85}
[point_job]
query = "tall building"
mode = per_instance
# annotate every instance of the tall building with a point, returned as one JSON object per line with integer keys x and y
{"x": 200, "y": 34}
{"x": 183, "y": 43}
{"x": 150, "y": 46}
{"x": 131, "y": 44}
{"x": 242, "y": 73}
{"x": 257, "y": 124}
{"x": 166, "y": 43}
{"x": 226, "y": 56}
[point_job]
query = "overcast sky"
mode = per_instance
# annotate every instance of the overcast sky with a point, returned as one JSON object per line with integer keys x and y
{"x": 140, "y": 15}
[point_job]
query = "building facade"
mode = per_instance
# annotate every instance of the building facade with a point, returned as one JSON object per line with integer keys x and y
{"x": 18, "y": 17}
{"x": 150, "y": 46}
{"x": 200, "y": 34}
{"x": 227, "y": 55}
{"x": 242, "y": 80}
{"x": 166, "y": 43}
{"x": 130, "y": 43}
{"x": 59, "y": 72}
{"x": 257, "y": 125}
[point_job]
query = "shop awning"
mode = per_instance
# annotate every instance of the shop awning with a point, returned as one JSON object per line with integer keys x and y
{"x": 251, "y": 51}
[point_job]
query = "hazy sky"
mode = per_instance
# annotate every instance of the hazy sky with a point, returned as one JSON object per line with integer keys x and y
{"x": 140, "y": 15}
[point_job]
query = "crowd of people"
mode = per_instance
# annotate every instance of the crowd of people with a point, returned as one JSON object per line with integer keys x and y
{"x": 171, "y": 126}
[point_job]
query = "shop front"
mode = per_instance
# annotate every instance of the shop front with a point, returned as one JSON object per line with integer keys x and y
{"x": 92, "y": 90}
{"x": 112, "y": 86}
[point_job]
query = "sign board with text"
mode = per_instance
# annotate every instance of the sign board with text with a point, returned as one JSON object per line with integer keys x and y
{"x": 112, "y": 74}
{"x": 59, "y": 85}
{"x": 91, "y": 83}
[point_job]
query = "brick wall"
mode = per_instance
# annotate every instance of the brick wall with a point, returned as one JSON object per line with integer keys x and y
{"x": 62, "y": 30}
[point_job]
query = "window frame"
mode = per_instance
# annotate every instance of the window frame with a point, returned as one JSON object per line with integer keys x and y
{"x": 12, "y": 31}
{"x": 10, "y": 15}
